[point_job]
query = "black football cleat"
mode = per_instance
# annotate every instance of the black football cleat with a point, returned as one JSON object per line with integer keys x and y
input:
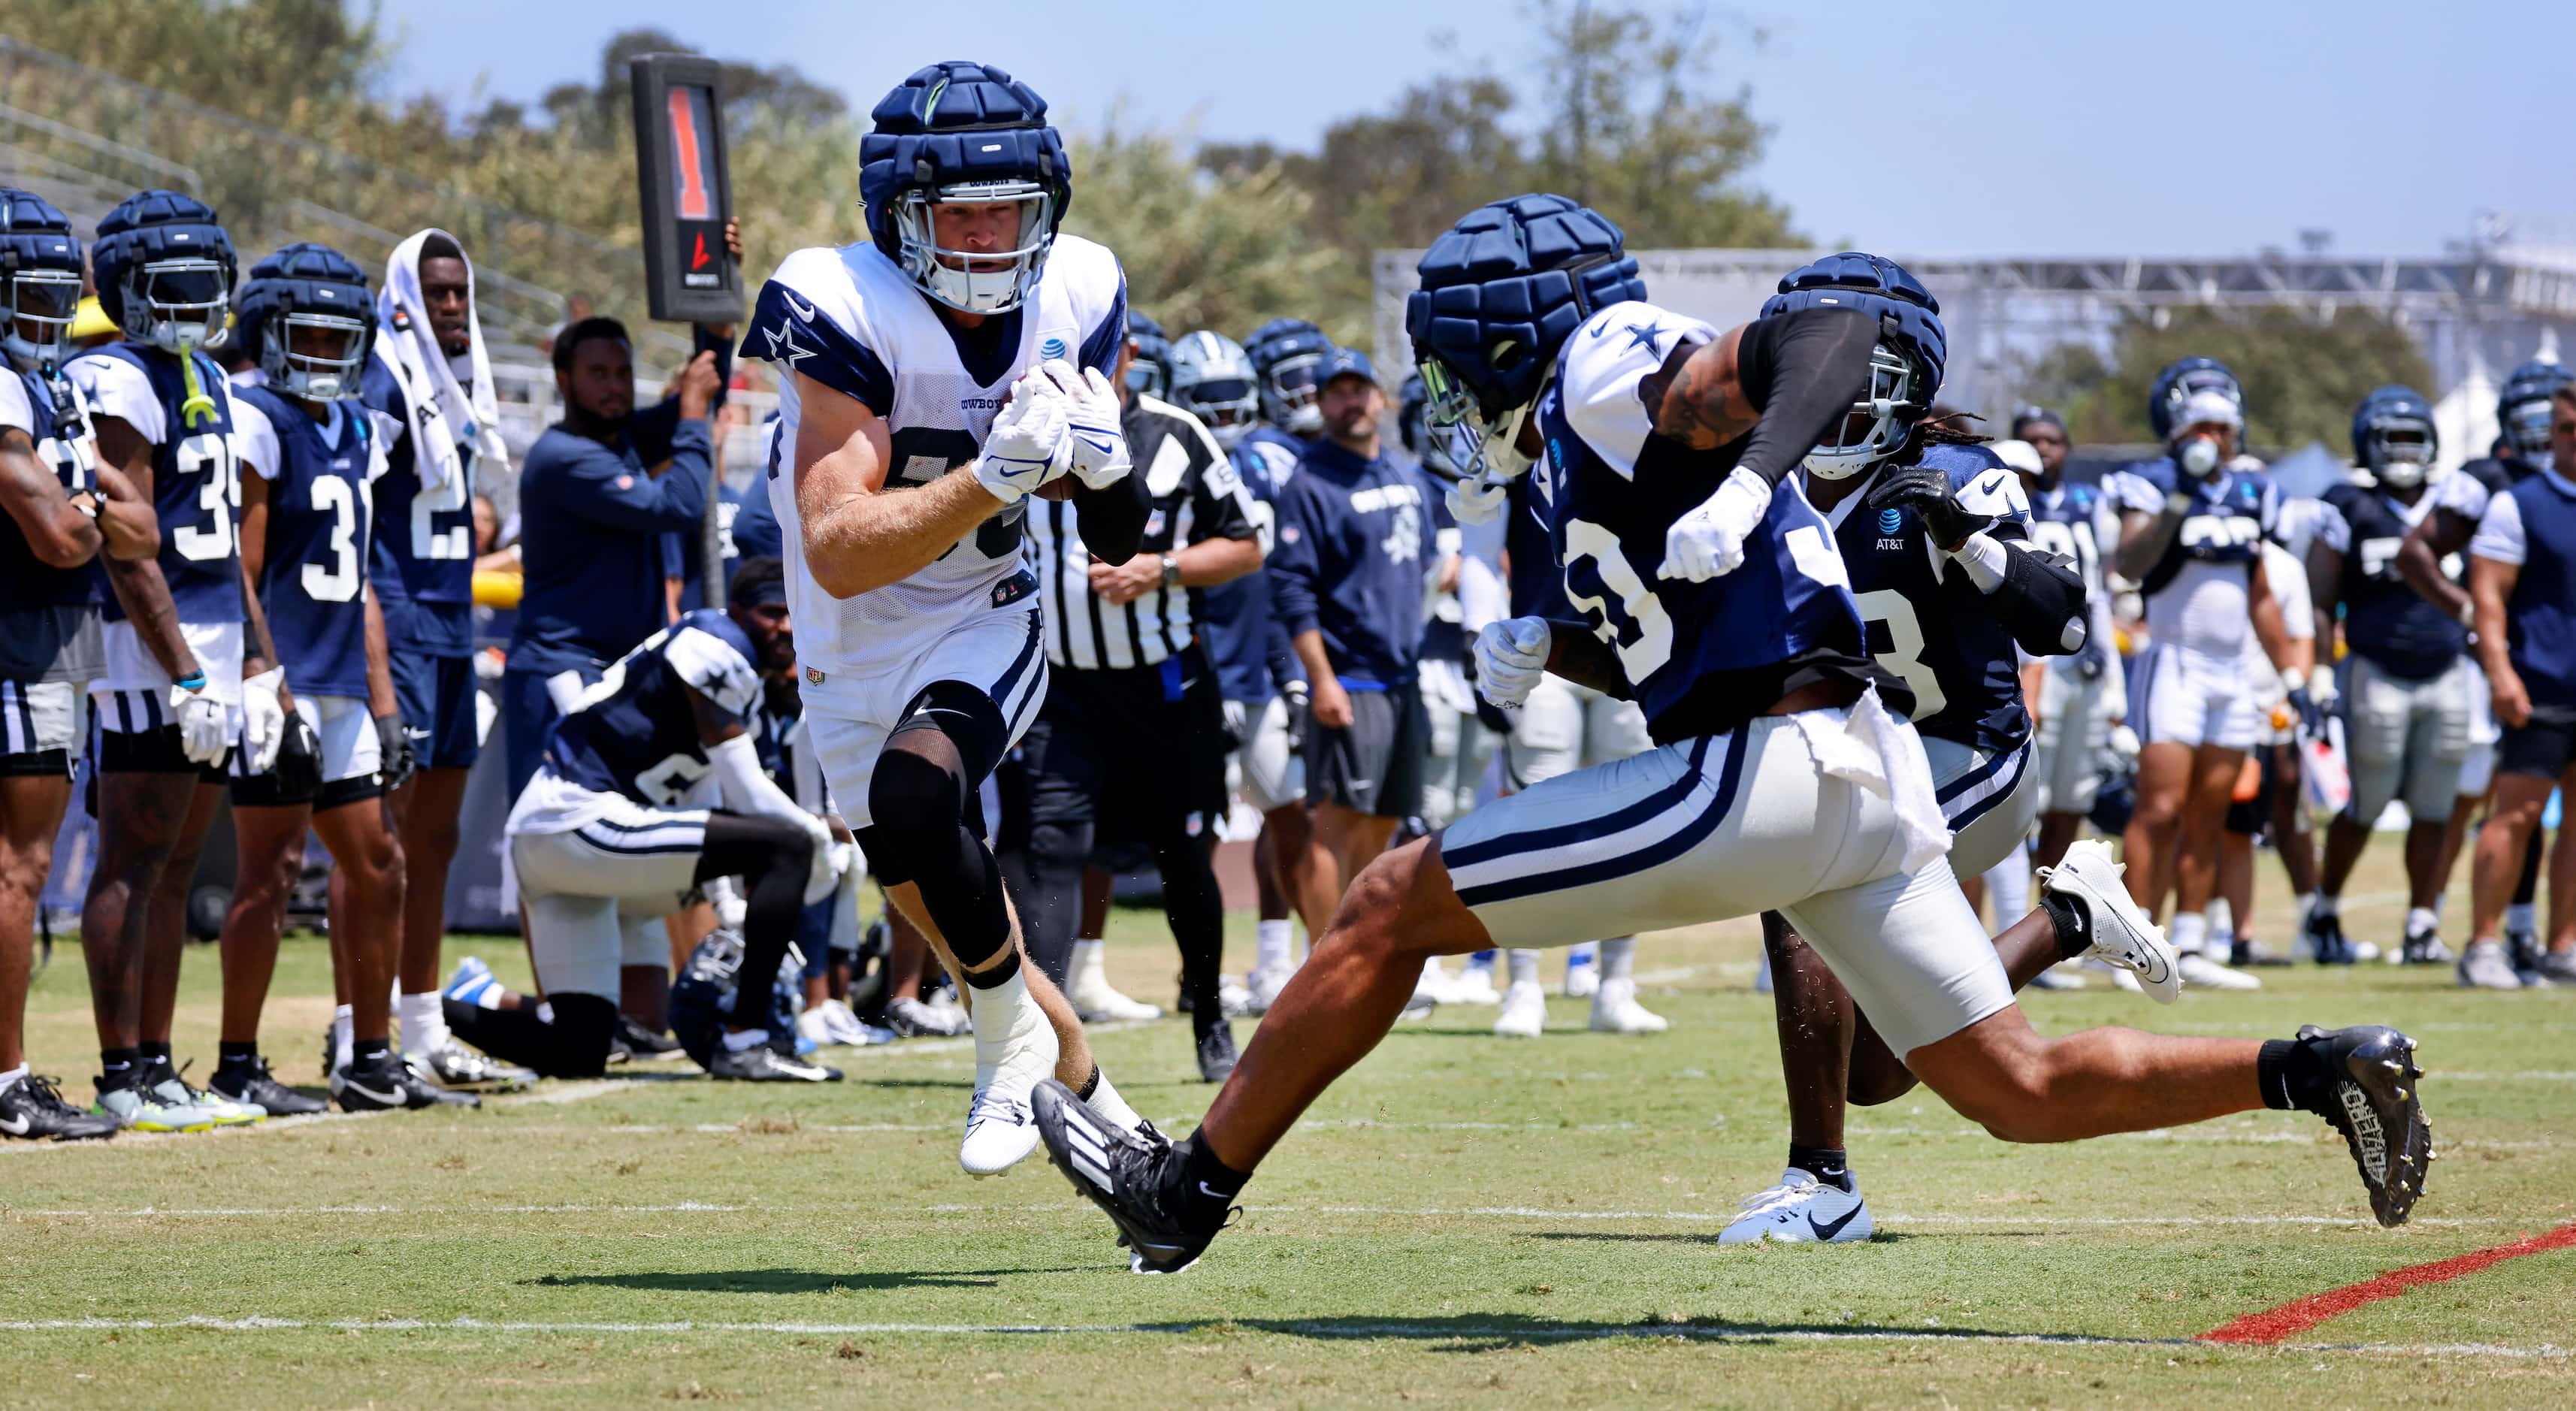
{"x": 1136, "y": 1180}
{"x": 643, "y": 1043}
{"x": 2376, "y": 1105}
{"x": 761, "y": 1063}
{"x": 33, "y": 1109}
{"x": 1216, "y": 1051}
{"x": 422, "y": 1089}
{"x": 255, "y": 1083}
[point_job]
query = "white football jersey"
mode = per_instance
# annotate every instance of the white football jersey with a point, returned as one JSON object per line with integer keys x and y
{"x": 849, "y": 319}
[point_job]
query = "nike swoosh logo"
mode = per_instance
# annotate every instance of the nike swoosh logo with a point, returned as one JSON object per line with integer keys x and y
{"x": 1827, "y": 1232}
{"x": 1212, "y": 1194}
{"x": 393, "y": 1097}
{"x": 19, "y": 1128}
{"x": 1989, "y": 487}
{"x": 802, "y": 311}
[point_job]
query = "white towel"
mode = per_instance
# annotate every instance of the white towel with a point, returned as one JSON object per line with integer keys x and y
{"x": 1876, "y": 751}
{"x": 444, "y": 414}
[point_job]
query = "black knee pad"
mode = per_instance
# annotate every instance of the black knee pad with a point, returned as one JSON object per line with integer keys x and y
{"x": 585, "y": 1024}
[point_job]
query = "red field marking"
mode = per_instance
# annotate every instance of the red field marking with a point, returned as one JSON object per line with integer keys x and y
{"x": 2297, "y": 1316}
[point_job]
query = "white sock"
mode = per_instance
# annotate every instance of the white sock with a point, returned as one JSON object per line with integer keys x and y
{"x": 2326, "y": 905}
{"x": 423, "y": 1028}
{"x": 2221, "y": 916}
{"x": 10, "y": 1079}
{"x": 1089, "y": 961}
{"x": 344, "y": 1041}
{"x": 2188, "y": 931}
{"x": 1105, "y": 1100}
{"x": 2222, "y": 940}
{"x": 1004, "y": 1015}
{"x": 748, "y": 1038}
{"x": 2440, "y": 902}
{"x": 2422, "y": 918}
{"x": 1618, "y": 958}
{"x": 2521, "y": 916}
{"x": 1524, "y": 966}
{"x": 1271, "y": 945}
{"x": 2008, "y": 882}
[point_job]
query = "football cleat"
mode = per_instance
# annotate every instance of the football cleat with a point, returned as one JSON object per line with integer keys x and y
{"x": 761, "y": 1063}
{"x": 372, "y": 1085}
{"x": 421, "y": 1089}
{"x": 1015, "y": 1050}
{"x": 2522, "y": 944}
{"x": 258, "y": 1087}
{"x": 133, "y": 1106}
{"x": 2323, "y": 939}
{"x": 1096, "y": 1001}
{"x": 642, "y": 1043}
{"x": 454, "y": 1065}
{"x": 472, "y": 983}
{"x": 2484, "y": 967}
{"x": 1801, "y": 1210}
{"x": 833, "y": 1022}
{"x": 2117, "y": 933}
{"x": 32, "y": 1109}
{"x": 174, "y": 1091}
{"x": 1216, "y": 1051}
{"x": 912, "y": 1019}
{"x": 1583, "y": 972}
{"x": 1135, "y": 1178}
{"x": 1615, "y": 1011}
{"x": 2244, "y": 951}
{"x": 2558, "y": 967}
{"x": 2201, "y": 972}
{"x": 1524, "y": 1011}
{"x": 1264, "y": 984}
{"x": 2422, "y": 947}
{"x": 2376, "y": 1105}
{"x": 1473, "y": 984}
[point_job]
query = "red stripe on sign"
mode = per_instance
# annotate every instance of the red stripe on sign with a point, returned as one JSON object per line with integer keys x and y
{"x": 2291, "y": 1319}
{"x": 691, "y": 202}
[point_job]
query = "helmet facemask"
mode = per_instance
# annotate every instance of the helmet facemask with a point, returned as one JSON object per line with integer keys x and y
{"x": 176, "y": 304}
{"x": 976, "y": 281}
{"x": 1228, "y": 405}
{"x": 2526, "y": 425}
{"x": 41, "y": 302}
{"x": 2399, "y": 451}
{"x": 314, "y": 355}
{"x": 1289, "y": 390}
{"x": 1481, "y": 446}
{"x": 1879, "y": 423}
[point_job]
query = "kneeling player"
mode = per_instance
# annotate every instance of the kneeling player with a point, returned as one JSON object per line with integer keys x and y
{"x": 604, "y": 843}
{"x": 1780, "y": 781}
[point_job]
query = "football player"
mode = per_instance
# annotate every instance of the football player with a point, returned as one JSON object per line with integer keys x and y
{"x": 2192, "y": 526}
{"x": 2406, "y": 713}
{"x": 1150, "y": 374}
{"x": 610, "y": 834}
{"x": 64, "y": 509}
{"x": 1711, "y": 590}
{"x": 188, "y": 665}
{"x": 310, "y": 454}
{"x": 937, "y": 374}
{"x": 1935, "y": 535}
{"x": 2433, "y": 559}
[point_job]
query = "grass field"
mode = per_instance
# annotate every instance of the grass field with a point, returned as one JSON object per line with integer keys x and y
{"x": 1462, "y": 1218}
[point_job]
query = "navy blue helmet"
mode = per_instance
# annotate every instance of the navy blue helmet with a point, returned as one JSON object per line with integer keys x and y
{"x": 309, "y": 317}
{"x": 2393, "y": 436}
{"x": 1151, "y": 373}
{"x": 40, "y": 279}
{"x": 2177, "y": 385}
{"x": 1213, "y": 380}
{"x": 164, "y": 270}
{"x": 967, "y": 134}
{"x": 1287, "y": 355}
{"x": 1905, "y": 368}
{"x": 2522, "y": 409}
{"x": 1500, "y": 293}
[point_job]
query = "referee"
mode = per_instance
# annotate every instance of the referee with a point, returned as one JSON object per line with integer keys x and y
{"x": 1132, "y": 736}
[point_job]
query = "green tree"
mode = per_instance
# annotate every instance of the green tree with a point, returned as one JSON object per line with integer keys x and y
{"x": 2302, "y": 375}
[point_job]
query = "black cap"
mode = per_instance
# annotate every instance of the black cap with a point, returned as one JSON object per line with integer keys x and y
{"x": 757, "y": 580}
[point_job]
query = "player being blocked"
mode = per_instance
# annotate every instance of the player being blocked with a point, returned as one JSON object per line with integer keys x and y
{"x": 934, "y": 376}
{"x": 1783, "y": 778}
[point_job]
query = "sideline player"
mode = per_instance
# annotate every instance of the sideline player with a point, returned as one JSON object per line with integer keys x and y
{"x": 1935, "y": 536}
{"x": 2406, "y": 713}
{"x": 181, "y": 660}
{"x": 64, "y": 509}
{"x": 1743, "y": 641}
{"x": 2083, "y": 697}
{"x": 937, "y": 374}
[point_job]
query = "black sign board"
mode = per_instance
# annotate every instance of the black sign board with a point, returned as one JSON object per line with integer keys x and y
{"x": 687, "y": 188}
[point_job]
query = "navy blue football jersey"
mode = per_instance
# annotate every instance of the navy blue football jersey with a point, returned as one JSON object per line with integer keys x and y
{"x": 635, "y": 733}
{"x": 313, "y": 577}
{"x": 1927, "y": 622}
{"x": 1701, "y": 658}
{"x": 196, "y": 471}
{"x": 25, "y": 580}
{"x": 422, "y": 557}
{"x": 2385, "y": 619}
{"x": 2233, "y": 515}
{"x": 1244, "y": 640}
{"x": 2078, "y": 522}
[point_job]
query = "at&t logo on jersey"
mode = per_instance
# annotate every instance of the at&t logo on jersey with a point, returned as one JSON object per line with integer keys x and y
{"x": 1052, "y": 346}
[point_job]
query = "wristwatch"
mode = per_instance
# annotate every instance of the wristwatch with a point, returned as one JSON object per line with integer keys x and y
{"x": 1171, "y": 571}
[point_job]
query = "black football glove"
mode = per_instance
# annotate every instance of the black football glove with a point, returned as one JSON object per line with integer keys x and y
{"x": 2312, "y": 717}
{"x": 395, "y": 755}
{"x": 1928, "y": 491}
{"x": 1301, "y": 706}
{"x": 299, "y": 758}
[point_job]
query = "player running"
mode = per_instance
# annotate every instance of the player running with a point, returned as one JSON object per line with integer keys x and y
{"x": 2406, "y": 712}
{"x": 936, "y": 375}
{"x": 1935, "y": 535}
{"x": 1711, "y": 590}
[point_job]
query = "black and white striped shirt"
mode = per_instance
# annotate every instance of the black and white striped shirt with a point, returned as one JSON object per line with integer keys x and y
{"x": 1196, "y": 497}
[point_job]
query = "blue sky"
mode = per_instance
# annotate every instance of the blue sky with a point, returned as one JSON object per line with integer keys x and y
{"x": 1976, "y": 127}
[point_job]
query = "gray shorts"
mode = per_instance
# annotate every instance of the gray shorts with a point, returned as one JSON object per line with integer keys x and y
{"x": 2406, "y": 740}
{"x": 1989, "y": 800}
{"x": 2074, "y": 734}
{"x": 597, "y": 893}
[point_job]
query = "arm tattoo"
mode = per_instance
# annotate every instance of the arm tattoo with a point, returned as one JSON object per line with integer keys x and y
{"x": 1696, "y": 401}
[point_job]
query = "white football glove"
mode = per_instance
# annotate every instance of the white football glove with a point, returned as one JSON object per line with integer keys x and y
{"x": 1477, "y": 500}
{"x": 263, "y": 720}
{"x": 2125, "y": 745}
{"x": 1030, "y": 443}
{"x": 824, "y": 877}
{"x": 1708, "y": 542}
{"x": 205, "y": 727}
{"x": 1099, "y": 441}
{"x": 1511, "y": 658}
{"x": 2321, "y": 687}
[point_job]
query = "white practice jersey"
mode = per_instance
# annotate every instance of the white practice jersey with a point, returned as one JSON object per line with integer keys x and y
{"x": 850, "y": 320}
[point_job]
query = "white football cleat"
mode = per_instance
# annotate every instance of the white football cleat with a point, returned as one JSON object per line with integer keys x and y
{"x": 2201, "y": 972}
{"x": 2121, "y": 936}
{"x": 1015, "y": 1049}
{"x": 1474, "y": 984}
{"x": 1615, "y": 1011}
{"x": 1263, "y": 985}
{"x": 1524, "y": 1011}
{"x": 1801, "y": 1210}
{"x": 1096, "y": 1001}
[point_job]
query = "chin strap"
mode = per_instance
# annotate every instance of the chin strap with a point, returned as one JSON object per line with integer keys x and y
{"x": 197, "y": 407}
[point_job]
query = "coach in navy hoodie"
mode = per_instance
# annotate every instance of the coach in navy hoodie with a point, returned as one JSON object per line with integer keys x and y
{"x": 1349, "y": 581}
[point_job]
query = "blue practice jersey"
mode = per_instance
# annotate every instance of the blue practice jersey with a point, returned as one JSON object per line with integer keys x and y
{"x": 1244, "y": 640}
{"x": 2385, "y": 619}
{"x": 313, "y": 577}
{"x": 196, "y": 471}
{"x": 1927, "y": 622}
{"x": 1536, "y": 584}
{"x": 635, "y": 733}
{"x": 422, "y": 559}
{"x": 1356, "y": 545}
{"x": 1701, "y": 658}
{"x": 27, "y": 403}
